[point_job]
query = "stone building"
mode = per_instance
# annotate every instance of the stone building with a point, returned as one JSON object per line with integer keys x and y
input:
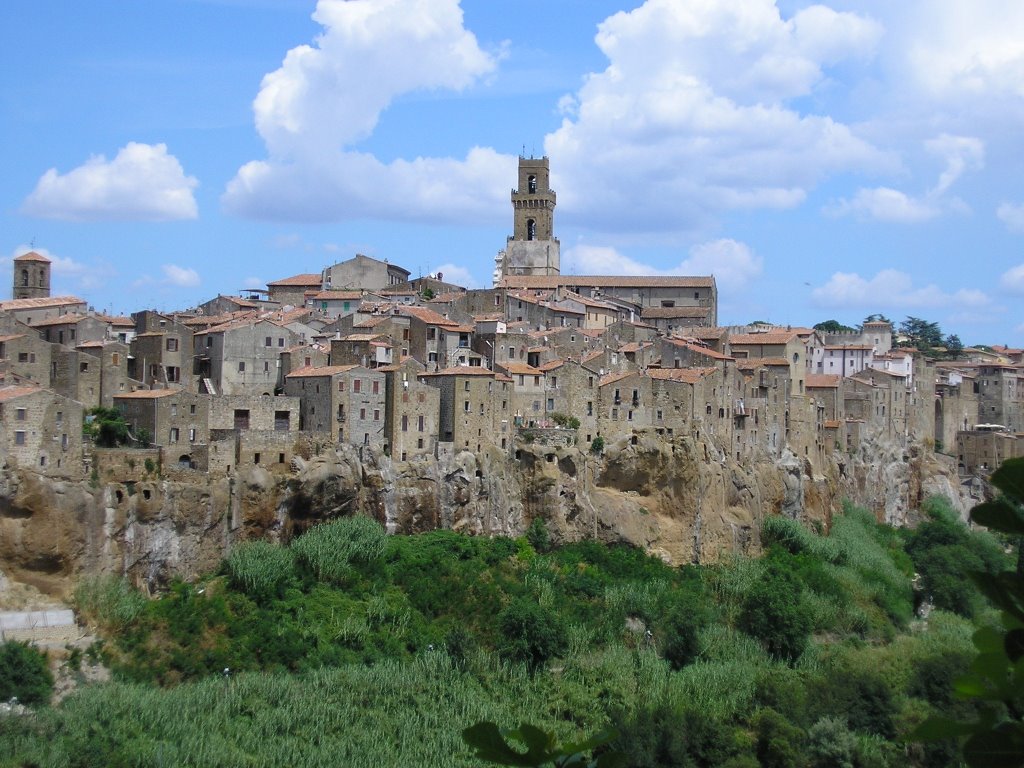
{"x": 43, "y": 307}
{"x": 31, "y": 276}
{"x": 348, "y": 402}
{"x": 172, "y": 418}
{"x": 532, "y": 249}
{"x": 27, "y": 356}
{"x": 465, "y": 416}
{"x": 292, "y": 291}
{"x": 1000, "y": 396}
{"x": 362, "y": 273}
{"x": 237, "y": 413}
{"x": 41, "y": 430}
{"x": 242, "y": 357}
{"x": 412, "y": 410}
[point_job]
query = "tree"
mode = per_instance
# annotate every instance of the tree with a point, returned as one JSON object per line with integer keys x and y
{"x": 530, "y": 633}
{"x": 922, "y": 333}
{"x": 954, "y": 347}
{"x": 877, "y": 317}
{"x": 831, "y": 326}
{"x": 24, "y": 674}
{"x": 107, "y": 427}
{"x": 774, "y": 613}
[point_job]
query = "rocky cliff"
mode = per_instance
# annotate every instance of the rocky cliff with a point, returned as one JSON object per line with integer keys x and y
{"x": 685, "y": 500}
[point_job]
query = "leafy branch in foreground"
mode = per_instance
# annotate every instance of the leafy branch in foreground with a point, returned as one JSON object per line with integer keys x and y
{"x": 995, "y": 680}
{"x": 490, "y": 743}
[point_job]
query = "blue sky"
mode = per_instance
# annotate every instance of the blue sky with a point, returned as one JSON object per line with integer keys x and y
{"x": 822, "y": 160}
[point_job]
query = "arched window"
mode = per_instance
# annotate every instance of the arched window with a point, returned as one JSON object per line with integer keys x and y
{"x": 531, "y": 229}
{"x": 41, "y": 274}
{"x": 531, "y": 184}
{"x": 24, "y": 277}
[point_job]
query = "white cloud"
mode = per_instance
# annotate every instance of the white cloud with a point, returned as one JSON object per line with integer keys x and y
{"x": 732, "y": 263}
{"x": 886, "y": 204}
{"x": 693, "y": 115}
{"x": 180, "y": 277}
{"x": 328, "y": 96}
{"x": 453, "y": 273}
{"x": 1013, "y": 280}
{"x": 892, "y": 288}
{"x": 960, "y": 154}
{"x": 1012, "y": 216}
{"x": 143, "y": 182}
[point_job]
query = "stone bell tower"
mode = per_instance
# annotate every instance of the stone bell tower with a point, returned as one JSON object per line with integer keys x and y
{"x": 31, "y": 276}
{"x": 532, "y": 249}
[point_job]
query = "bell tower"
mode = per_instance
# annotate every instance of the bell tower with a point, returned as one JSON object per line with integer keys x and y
{"x": 532, "y": 249}
{"x": 31, "y": 276}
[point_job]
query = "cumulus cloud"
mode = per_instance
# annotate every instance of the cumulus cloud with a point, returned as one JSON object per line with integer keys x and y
{"x": 142, "y": 183}
{"x": 891, "y": 288}
{"x": 328, "y": 96}
{"x": 694, "y": 114}
{"x": 1012, "y": 280}
{"x": 180, "y": 277}
{"x": 959, "y": 154}
{"x": 733, "y": 263}
{"x": 1012, "y": 216}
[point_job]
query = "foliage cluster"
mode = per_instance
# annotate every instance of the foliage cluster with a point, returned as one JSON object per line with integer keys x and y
{"x": 24, "y": 674}
{"x": 808, "y": 656}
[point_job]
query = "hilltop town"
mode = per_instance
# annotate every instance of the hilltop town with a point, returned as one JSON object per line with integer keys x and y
{"x": 362, "y": 357}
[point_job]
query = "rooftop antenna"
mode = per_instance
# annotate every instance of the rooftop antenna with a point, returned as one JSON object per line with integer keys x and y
{"x": 524, "y": 151}
{"x": 32, "y": 243}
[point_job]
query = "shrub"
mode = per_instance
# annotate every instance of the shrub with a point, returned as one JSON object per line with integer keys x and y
{"x": 830, "y": 744}
{"x": 680, "y": 632}
{"x": 109, "y": 602}
{"x": 24, "y": 673}
{"x": 538, "y": 536}
{"x": 774, "y": 613}
{"x": 778, "y": 742}
{"x": 597, "y": 445}
{"x": 330, "y": 550}
{"x": 260, "y": 569}
{"x": 529, "y": 633}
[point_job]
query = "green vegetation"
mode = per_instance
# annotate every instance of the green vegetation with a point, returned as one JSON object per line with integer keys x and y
{"x": 832, "y": 326}
{"x": 107, "y": 427}
{"x": 24, "y": 674}
{"x": 351, "y": 647}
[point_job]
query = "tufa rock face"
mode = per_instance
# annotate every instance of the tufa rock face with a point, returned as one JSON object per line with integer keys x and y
{"x": 686, "y": 500}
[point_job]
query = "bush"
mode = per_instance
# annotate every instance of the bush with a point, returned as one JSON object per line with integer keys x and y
{"x": 830, "y": 744}
{"x": 679, "y": 633}
{"x": 529, "y": 633}
{"x": 24, "y": 673}
{"x": 260, "y": 569}
{"x": 329, "y": 551}
{"x": 774, "y": 613}
{"x": 778, "y": 742}
{"x": 538, "y": 536}
{"x": 597, "y": 445}
{"x": 109, "y": 602}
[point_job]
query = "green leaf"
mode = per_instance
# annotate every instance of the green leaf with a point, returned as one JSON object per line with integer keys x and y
{"x": 1001, "y": 747}
{"x": 599, "y": 739}
{"x": 489, "y": 743}
{"x": 537, "y": 742}
{"x": 1009, "y": 479}
{"x": 940, "y": 729}
{"x": 999, "y": 515}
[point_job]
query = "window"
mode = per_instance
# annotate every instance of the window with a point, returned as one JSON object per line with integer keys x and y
{"x": 172, "y": 436}
{"x": 172, "y": 344}
{"x": 241, "y": 366}
{"x": 341, "y": 385}
{"x": 174, "y": 409}
{"x": 280, "y": 341}
{"x": 192, "y": 409}
{"x": 83, "y": 368}
{"x": 357, "y": 385}
{"x": 531, "y": 229}
{"x": 266, "y": 366}
{"x": 23, "y": 357}
{"x": 268, "y": 341}
{"x": 465, "y": 406}
{"x": 19, "y": 437}
{"x": 22, "y": 414}
{"x": 115, "y": 359}
{"x": 362, "y": 413}
{"x": 405, "y": 423}
{"x": 209, "y": 342}
{"x": 511, "y": 353}
{"x": 256, "y": 458}
{"x": 431, "y": 334}
{"x": 60, "y": 417}
{"x": 465, "y": 386}
{"x": 376, "y": 414}
{"x": 590, "y": 407}
{"x": 376, "y": 387}
{"x": 192, "y": 435}
{"x": 419, "y": 443}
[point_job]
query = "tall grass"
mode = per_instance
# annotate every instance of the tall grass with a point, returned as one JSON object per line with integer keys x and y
{"x": 260, "y": 569}
{"x": 330, "y": 550}
{"x": 108, "y": 602}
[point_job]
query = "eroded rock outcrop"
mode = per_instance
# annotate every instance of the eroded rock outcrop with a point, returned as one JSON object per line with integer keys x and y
{"x": 685, "y": 500}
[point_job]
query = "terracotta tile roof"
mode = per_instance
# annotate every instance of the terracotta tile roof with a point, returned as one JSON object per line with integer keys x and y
{"x": 611, "y": 378}
{"x": 697, "y": 349}
{"x": 461, "y": 370}
{"x": 832, "y": 424}
{"x": 10, "y": 393}
{"x": 767, "y": 338}
{"x": 551, "y": 365}
{"x": 361, "y": 337}
{"x": 684, "y": 375}
{"x": 323, "y": 370}
{"x": 780, "y": 361}
{"x": 91, "y": 344}
{"x": 520, "y": 368}
{"x": 308, "y": 278}
{"x": 856, "y": 347}
{"x": 588, "y": 302}
{"x": 147, "y": 394}
{"x": 592, "y": 355}
{"x": 32, "y": 256}
{"x": 116, "y": 320}
{"x": 489, "y": 317}
{"x": 240, "y": 322}
{"x": 41, "y": 302}
{"x": 68, "y": 319}
{"x": 599, "y": 281}
{"x": 668, "y": 313}
{"x": 372, "y": 321}
{"x": 447, "y": 298}
{"x": 12, "y": 338}
{"x": 821, "y": 380}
